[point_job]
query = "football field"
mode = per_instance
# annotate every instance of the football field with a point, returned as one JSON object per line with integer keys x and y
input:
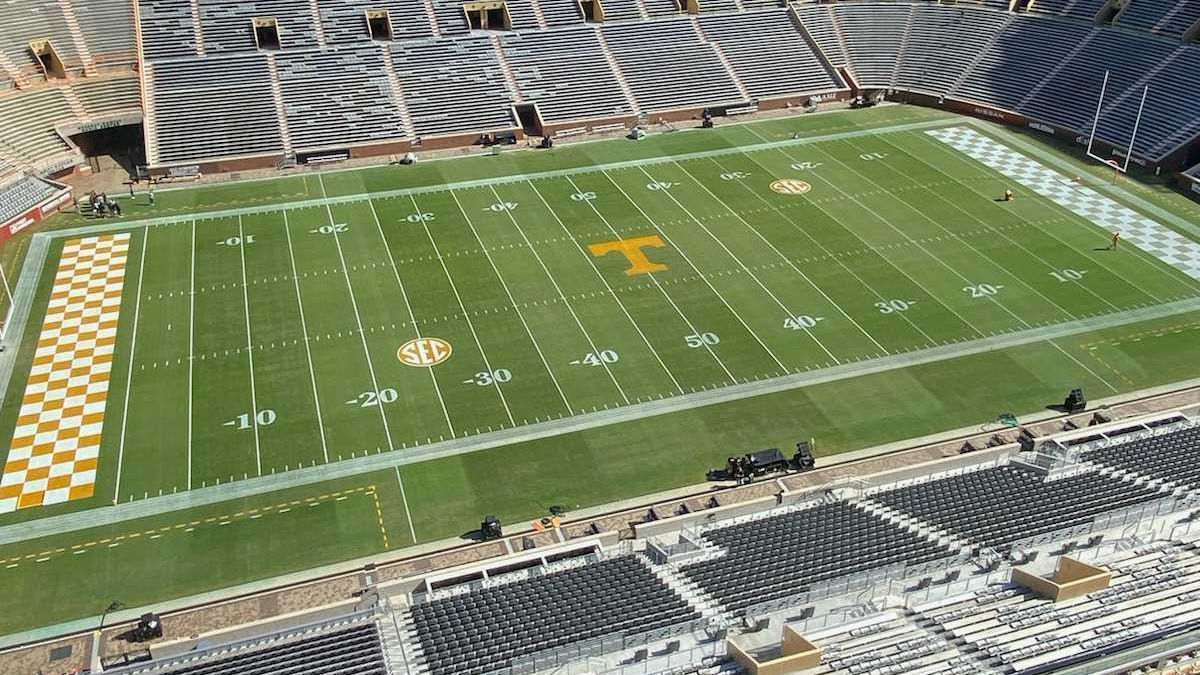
{"x": 262, "y": 340}
{"x": 274, "y": 340}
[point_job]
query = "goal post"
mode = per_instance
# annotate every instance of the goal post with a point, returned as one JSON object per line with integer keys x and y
{"x": 1119, "y": 167}
{"x": 7, "y": 304}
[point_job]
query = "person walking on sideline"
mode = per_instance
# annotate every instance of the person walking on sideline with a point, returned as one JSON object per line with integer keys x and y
{"x": 1116, "y": 239}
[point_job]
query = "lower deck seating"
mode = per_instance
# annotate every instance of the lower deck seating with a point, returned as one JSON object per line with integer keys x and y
{"x": 874, "y": 35}
{"x": 1002, "y": 505}
{"x": 1172, "y": 17}
{"x": 453, "y": 86}
{"x": 338, "y": 97}
{"x": 565, "y": 73}
{"x": 768, "y": 54}
{"x": 19, "y": 193}
{"x": 354, "y": 648}
{"x": 213, "y": 107}
{"x": 484, "y": 630}
{"x": 941, "y": 45}
{"x": 1172, "y": 457}
{"x": 668, "y": 66}
{"x": 784, "y": 555}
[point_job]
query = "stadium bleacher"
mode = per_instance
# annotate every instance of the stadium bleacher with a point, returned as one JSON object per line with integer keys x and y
{"x": 20, "y": 193}
{"x": 787, "y": 554}
{"x": 212, "y": 107}
{"x": 564, "y": 72}
{"x": 350, "y": 646}
{"x": 474, "y": 633}
{"x": 1172, "y": 17}
{"x": 998, "y": 506}
{"x": 338, "y": 97}
{"x": 669, "y": 66}
{"x": 1172, "y": 457}
{"x": 767, "y": 54}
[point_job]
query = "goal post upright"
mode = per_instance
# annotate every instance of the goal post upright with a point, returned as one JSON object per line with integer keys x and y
{"x": 1137, "y": 124}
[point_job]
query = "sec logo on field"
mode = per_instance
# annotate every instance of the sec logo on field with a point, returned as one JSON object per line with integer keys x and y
{"x": 790, "y": 186}
{"x": 424, "y": 352}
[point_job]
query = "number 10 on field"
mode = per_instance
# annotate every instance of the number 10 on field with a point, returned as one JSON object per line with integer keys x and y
{"x": 265, "y": 418}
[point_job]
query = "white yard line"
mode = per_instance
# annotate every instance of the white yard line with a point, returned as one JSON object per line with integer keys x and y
{"x": 312, "y": 373}
{"x": 608, "y": 286}
{"x": 561, "y": 296}
{"x": 249, "y": 347}
{"x": 700, "y": 275}
{"x": 362, "y": 333}
{"x": 1004, "y": 271}
{"x": 470, "y": 324}
{"x": 796, "y": 226}
{"x": 137, "y": 308}
{"x": 512, "y": 301}
{"x": 191, "y": 350}
{"x": 412, "y": 530}
{"x": 1084, "y": 366}
{"x": 780, "y": 254}
{"x": 894, "y": 266}
{"x": 412, "y": 317}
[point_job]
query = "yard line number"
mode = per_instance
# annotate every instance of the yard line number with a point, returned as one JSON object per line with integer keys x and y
{"x": 894, "y": 306}
{"x": 802, "y": 322}
{"x": 330, "y": 229}
{"x": 486, "y": 378}
{"x": 697, "y": 340}
{"x": 370, "y": 399}
{"x": 265, "y": 418}
{"x": 237, "y": 241}
{"x": 982, "y": 290}
{"x": 1067, "y": 275}
{"x": 598, "y": 358}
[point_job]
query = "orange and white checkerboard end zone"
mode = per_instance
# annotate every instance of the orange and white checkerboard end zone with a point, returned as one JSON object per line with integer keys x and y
{"x": 55, "y": 446}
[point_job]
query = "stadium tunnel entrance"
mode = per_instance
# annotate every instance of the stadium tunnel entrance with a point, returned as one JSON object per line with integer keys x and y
{"x": 110, "y": 148}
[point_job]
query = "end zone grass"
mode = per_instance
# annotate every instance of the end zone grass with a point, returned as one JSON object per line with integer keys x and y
{"x": 258, "y": 342}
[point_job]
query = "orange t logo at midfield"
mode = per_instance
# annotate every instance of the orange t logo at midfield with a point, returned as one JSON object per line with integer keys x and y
{"x": 632, "y": 250}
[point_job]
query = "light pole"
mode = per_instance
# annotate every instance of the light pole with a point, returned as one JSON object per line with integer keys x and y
{"x": 112, "y": 607}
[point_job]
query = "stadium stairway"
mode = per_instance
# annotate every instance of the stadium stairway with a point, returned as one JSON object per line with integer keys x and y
{"x": 81, "y": 46}
{"x": 510, "y": 78}
{"x": 398, "y": 93}
{"x": 280, "y": 109}
{"x": 611, "y": 59}
{"x": 913, "y": 524}
{"x": 723, "y": 58}
{"x": 197, "y": 28}
{"x": 77, "y": 106}
{"x": 151, "y": 129}
{"x": 689, "y": 590}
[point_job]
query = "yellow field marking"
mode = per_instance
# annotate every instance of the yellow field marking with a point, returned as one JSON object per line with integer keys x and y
{"x": 1138, "y": 337}
{"x": 55, "y": 446}
{"x": 368, "y": 490}
{"x": 379, "y": 515}
{"x": 1092, "y": 352}
{"x": 632, "y": 250}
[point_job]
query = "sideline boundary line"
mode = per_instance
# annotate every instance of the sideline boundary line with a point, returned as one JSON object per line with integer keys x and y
{"x": 347, "y": 468}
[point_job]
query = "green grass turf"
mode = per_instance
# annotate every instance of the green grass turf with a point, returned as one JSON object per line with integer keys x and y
{"x": 878, "y": 259}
